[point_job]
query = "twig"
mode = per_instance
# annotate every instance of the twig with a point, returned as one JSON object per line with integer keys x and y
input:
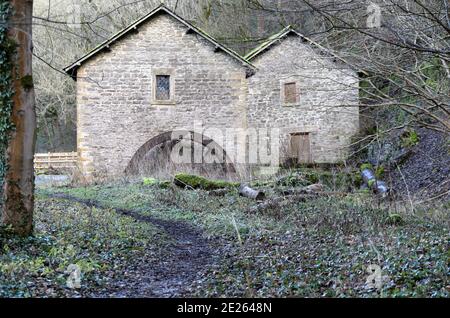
{"x": 407, "y": 189}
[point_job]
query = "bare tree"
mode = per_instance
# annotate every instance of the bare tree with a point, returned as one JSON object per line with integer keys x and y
{"x": 405, "y": 56}
{"x": 405, "y": 60}
{"x": 18, "y": 192}
{"x": 64, "y": 30}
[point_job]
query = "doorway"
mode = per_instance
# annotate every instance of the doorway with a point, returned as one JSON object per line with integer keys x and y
{"x": 301, "y": 148}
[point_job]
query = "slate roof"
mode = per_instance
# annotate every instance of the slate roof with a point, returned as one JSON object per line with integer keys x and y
{"x": 245, "y": 61}
{"x": 280, "y": 36}
{"x": 105, "y": 46}
{"x": 268, "y": 43}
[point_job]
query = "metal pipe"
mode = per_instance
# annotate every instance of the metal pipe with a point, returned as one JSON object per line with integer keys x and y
{"x": 378, "y": 186}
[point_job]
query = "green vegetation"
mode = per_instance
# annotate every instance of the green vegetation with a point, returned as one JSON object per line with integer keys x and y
{"x": 433, "y": 72}
{"x": 149, "y": 181}
{"x": 7, "y": 50}
{"x": 366, "y": 166}
{"x": 155, "y": 182}
{"x": 410, "y": 138}
{"x": 314, "y": 248}
{"x": 27, "y": 82}
{"x": 379, "y": 172}
{"x": 319, "y": 247}
{"x": 101, "y": 242}
{"x": 197, "y": 182}
{"x": 333, "y": 180}
{"x": 394, "y": 219}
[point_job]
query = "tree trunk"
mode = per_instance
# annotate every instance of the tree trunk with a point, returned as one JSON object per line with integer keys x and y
{"x": 18, "y": 192}
{"x": 248, "y": 192}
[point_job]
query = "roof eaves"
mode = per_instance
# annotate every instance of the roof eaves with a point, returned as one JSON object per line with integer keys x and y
{"x": 217, "y": 44}
{"x": 327, "y": 51}
{"x": 280, "y": 35}
{"x": 71, "y": 69}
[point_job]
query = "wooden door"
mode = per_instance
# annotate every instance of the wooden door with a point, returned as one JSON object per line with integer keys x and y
{"x": 301, "y": 147}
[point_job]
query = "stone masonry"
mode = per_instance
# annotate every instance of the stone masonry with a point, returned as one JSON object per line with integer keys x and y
{"x": 328, "y": 98}
{"x": 117, "y": 113}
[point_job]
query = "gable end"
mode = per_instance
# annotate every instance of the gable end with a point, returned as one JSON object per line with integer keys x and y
{"x": 72, "y": 69}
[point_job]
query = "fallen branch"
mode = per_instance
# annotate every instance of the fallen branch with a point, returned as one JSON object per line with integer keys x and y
{"x": 246, "y": 191}
{"x": 197, "y": 182}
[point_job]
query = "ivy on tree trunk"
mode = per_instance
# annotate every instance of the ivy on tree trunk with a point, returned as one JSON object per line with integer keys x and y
{"x": 18, "y": 117}
{"x": 7, "y": 50}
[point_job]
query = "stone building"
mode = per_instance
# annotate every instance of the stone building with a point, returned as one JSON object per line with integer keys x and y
{"x": 162, "y": 74}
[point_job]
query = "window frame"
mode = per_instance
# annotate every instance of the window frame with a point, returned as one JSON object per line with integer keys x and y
{"x": 163, "y": 72}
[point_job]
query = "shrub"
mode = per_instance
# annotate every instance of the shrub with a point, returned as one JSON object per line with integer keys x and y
{"x": 410, "y": 138}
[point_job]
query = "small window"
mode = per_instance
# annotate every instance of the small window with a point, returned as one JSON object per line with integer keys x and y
{"x": 162, "y": 87}
{"x": 290, "y": 93}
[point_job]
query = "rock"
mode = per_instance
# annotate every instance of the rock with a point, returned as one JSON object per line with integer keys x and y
{"x": 314, "y": 188}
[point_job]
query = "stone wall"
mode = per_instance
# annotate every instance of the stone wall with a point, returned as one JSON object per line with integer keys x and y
{"x": 116, "y": 114}
{"x": 328, "y": 98}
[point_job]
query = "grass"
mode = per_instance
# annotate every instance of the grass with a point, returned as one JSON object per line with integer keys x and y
{"x": 321, "y": 247}
{"x": 99, "y": 241}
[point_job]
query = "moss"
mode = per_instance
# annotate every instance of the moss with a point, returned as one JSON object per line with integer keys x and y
{"x": 394, "y": 219}
{"x": 265, "y": 44}
{"x": 379, "y": 172}
{"x": 27, "y": 82}
{"x": 293, "y": 180}
{"x": 163, "y": 184}
{"x": 366, "y": 166}
{"x": 357, "y": 179}
{"x": 372, "y": 130}
{"x": 331, "y": 179}
{"x": 7, "y": 61}
{"x": 149, "y": 181}
{"x": 197, "y": 182}
{"x": 262, "y": 183}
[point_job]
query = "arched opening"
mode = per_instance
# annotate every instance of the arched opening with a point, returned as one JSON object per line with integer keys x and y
{"x": 155, "y": 157}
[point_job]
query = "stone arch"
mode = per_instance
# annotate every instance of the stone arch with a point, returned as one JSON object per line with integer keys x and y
{"x": 138, "y": 157}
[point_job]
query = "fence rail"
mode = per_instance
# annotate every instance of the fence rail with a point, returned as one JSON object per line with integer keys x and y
{"x": 57, "y": 161}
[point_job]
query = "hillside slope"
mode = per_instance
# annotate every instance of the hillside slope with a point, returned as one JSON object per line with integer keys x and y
{"x": 425, "y": 173}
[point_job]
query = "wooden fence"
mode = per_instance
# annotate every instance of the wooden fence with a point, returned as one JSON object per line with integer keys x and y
{"x": 55, "y": 161}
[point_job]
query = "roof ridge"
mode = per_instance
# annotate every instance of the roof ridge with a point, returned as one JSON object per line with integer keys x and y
{"x": 268, "y": 42}
{"x": 71, "y": 69}
{"x": 278, "y": 36}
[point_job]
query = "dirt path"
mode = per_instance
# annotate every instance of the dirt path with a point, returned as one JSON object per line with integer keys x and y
{"x": 183, "y": 262}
